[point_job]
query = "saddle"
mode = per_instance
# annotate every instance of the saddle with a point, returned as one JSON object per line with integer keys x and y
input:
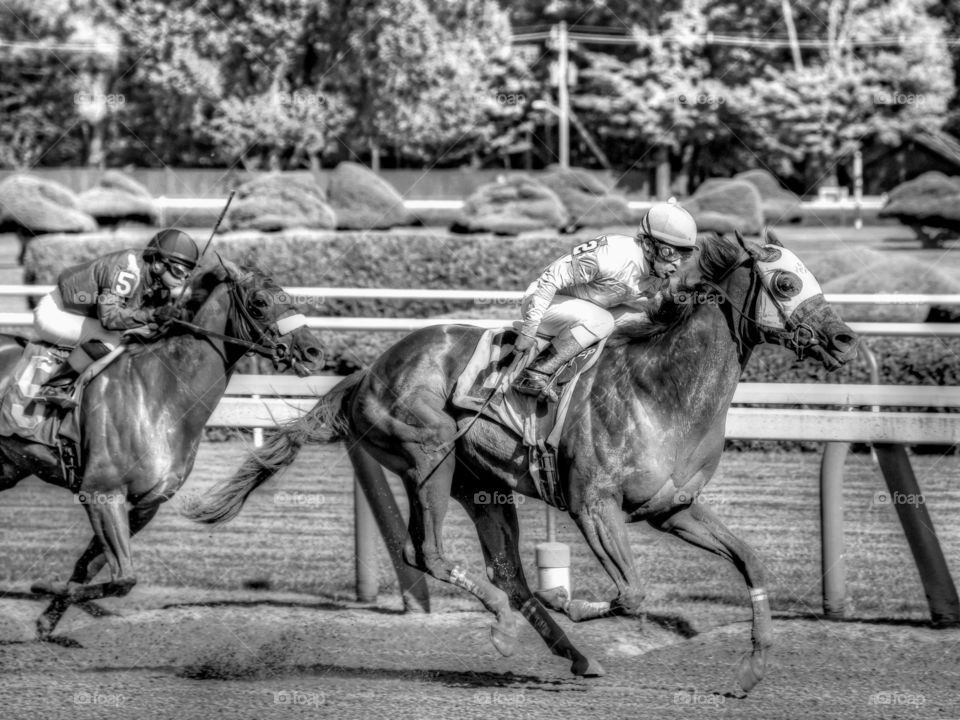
{"x": 39, "y": 422}
{"x": 484, "y": 388}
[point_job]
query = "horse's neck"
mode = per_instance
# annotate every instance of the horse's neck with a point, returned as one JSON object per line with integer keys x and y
{"x": 694, "y": 367}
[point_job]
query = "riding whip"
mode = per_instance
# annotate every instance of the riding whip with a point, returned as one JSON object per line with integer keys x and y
{"x": 181, "y": 296}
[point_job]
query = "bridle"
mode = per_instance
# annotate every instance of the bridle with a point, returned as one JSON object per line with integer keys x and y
{"x": 797, "y": 334}
{"x": 252, "y": 334}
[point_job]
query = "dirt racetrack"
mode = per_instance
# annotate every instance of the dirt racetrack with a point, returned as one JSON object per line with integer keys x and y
{"x": 193, "y": 641}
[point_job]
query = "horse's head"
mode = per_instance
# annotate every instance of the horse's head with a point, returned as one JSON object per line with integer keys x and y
{"x": 771, "y": 297}
{"x": 261, "y": 317}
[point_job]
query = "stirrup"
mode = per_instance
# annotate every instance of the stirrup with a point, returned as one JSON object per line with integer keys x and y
{"x": 538, "y": 384}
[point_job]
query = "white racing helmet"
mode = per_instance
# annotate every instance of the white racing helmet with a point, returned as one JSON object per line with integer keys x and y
{"x": 669, "y": 223}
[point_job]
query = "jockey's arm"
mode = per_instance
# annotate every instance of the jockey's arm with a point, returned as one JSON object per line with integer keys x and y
{"x": 562, "y": 273}
{"x": 114, "y": 314}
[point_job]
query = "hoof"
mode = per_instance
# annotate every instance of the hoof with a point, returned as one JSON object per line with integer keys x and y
{"x": 505, "y": 643}
{"x": 554, "y": 598}
{"x": 585, "y": 667}
{"x": 751, "y": 670}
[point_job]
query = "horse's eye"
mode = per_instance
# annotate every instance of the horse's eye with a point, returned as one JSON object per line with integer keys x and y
{"x": 785, "y": 285}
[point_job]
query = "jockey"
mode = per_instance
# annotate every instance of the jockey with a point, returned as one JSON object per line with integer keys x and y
{"x": 96, "y": 301}
{"x": 569, "y": 300}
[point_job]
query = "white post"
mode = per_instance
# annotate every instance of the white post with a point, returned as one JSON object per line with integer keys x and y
{"x": 858, "y": 189}
{"x": 257, "y": 431}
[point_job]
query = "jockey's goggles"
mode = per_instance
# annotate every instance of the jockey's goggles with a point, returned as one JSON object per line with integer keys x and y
{"x": 178, "y": 271}
{"x": 669, "y": 253}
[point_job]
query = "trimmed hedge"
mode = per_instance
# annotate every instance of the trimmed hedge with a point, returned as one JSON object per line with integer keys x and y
{"x": 362, "y": 200}
{"x": 589, "y": 202}
{"x": 29, "y": 204}
{"x": 722, "y": 206}
{"x": 931, "y": 200}
{"x": 278, "y": 202}
{"x": 515, "y": 204}
{"x": 110, "y": 206}
{"x": 778, "y": 204}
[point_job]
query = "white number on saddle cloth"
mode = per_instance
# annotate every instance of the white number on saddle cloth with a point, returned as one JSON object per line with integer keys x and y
{"x": 37, "y": 372}
{"x": 788, "y": 284}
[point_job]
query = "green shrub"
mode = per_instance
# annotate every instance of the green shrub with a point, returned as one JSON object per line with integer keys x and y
{"x": 589, "y": 202}
{"x": 110, "y": 206}
{"x": 778, "y": 204}
{"x": 515, "y": 204}
{"x": 119, "y": 180}
{"x": 277, "y": 202}
{"x": 35, "y": 206}
{"x": 722, "y": 206}
{"x": 362, "y": 200}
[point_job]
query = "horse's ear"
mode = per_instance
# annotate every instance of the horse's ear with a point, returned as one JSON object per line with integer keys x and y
{"x": 749, "y": 249}
{"x": 230, "y": 270}
{"x": 770, "y": 238}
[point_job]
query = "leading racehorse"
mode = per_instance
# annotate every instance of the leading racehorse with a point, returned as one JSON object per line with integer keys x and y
{"x": 142, "y": 418}
{"x": 644, "y": 436}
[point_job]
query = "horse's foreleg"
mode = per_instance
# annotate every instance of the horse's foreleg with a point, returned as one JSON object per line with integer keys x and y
{"x": 699, "y": 525}
{"x": 605, "y": 531}
{"x": 87, "y": 567}
{"x": 499, "y": 534}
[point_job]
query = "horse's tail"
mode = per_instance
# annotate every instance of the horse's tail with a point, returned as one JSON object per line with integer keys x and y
{"x": 326, "y": 422}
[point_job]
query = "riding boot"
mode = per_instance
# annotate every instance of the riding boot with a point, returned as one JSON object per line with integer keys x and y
{"x": 60, "y": 389}
{"x": 535, "y": 379}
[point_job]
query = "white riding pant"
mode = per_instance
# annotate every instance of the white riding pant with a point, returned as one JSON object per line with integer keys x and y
{"x": 61, "y": 327}
{"x": 588, "y": 323}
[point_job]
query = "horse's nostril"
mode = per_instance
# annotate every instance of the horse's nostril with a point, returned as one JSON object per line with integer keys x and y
{"x": 313, "y": 353}
{"x": 844, "y": 341}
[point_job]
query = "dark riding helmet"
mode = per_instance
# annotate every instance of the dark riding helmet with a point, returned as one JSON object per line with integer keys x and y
{"x": 173, "y": 245}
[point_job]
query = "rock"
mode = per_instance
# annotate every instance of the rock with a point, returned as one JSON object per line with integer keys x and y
{"x": 589, "y": 201}
{"x": 277, "y": 202}
{"x": 721, "y": 205}
{"x": 778, "y": 204}
{"x": 362, "y": 200}
{"x": 32, "y": 206}
{"x": 515, "y": 204}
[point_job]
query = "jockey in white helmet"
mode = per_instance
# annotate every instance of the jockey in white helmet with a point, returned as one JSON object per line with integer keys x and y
{"x": 569, "y": 300}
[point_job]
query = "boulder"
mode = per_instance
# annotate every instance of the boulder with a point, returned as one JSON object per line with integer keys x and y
{"x": 510, "y": 206}
{"x": 721, "y": 205}
{"x": 930, "y": 204}
{"x": 277, "y": 202}
{"x": 32, "y": 206}
{"x": 362, "y": 200}
{"x": 778, "y": 204}
{"x": 589, "y": 201}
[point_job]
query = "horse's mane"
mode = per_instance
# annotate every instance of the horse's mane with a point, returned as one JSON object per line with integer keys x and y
{"x": 718, "y": 256}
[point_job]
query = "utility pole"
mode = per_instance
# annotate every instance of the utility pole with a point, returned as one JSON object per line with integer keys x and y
{"x": 792, "y": 34}
{"x": 563, "y": 92}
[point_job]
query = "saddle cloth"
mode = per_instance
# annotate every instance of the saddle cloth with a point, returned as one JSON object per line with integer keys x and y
{"x": 484, "y": 387}
{"x": 36, "y": 421}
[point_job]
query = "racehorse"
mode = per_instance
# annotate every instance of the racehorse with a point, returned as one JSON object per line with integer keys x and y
{"x": 142, "y": 418}
{"x": 645, "y": 435}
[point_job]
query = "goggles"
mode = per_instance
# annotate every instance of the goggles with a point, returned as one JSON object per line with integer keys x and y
{"x": 671, "y": 254}
{"x": 178, "y": 271}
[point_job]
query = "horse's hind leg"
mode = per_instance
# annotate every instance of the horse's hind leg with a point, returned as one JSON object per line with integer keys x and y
{"x": 602, "y": 525}
{"x": 86, "y": 568}
{"x": 699, "y": 525}
{"x": 499, "y": 534}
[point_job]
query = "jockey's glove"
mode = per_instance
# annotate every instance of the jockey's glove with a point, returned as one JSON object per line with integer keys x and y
{"x": 166, "y": 313}
{"x": 524, "y": 342}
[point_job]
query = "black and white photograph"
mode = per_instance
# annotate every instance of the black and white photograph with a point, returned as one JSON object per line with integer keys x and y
{"x": 468, "y": 359}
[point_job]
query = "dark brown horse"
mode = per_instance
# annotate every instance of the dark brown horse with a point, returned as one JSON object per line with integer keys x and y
{"x": 644, "y": 437}
{"x": 142, "y": 418}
